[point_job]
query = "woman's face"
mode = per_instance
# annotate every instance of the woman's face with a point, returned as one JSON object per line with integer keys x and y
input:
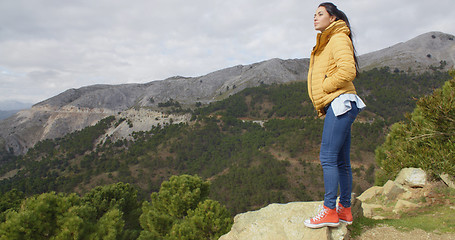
{"x": 322, "y": 19}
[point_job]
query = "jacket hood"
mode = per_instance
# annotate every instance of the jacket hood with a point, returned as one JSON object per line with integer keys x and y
{"x": 336, "y": 27}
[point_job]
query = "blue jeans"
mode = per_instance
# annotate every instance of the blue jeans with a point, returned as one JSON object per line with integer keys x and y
{"x": 335, "y": 156}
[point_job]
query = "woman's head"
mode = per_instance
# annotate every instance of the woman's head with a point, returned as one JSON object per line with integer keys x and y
{"x": 326, "y": 14}
{"x": 322, "y": 19}
{"x": 333, "y": 12}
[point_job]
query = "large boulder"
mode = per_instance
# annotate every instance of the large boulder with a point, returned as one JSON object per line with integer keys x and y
{"x": 282, "y": 222}
{"x": 412, "y": 177}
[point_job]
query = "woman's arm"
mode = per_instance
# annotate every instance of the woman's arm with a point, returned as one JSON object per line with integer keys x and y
{"x": 345, "y": 71}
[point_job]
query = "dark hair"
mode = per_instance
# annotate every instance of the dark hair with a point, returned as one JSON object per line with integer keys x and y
{"x": 334, "y": 11}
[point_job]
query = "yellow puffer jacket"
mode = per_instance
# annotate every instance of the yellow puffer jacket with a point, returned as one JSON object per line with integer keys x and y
{"x": 332, "y": 66}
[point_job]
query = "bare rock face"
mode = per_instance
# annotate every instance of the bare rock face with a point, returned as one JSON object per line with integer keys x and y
{"x": 26, "y": 128}
{"x": 417, "y": 54}
{"x": 186, "y": 90}
{"x": 45, "y": 122}
{"x": 286, "y": 221}
{"x": 112, "y": 97}
{"x": 142, "y": 120}
{"x": 370, "y": 193}
{"x": 223, "y": 83}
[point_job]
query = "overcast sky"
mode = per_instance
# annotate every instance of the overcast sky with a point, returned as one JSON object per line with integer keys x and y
{"x": 49, "y": 46}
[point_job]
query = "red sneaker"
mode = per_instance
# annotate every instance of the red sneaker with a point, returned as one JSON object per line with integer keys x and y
{"x": 326, "y": 218}
{"x": 344, "y": 214}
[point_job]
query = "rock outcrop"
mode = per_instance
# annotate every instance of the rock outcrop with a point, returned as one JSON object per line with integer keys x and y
{"x": 46, "y": 122}
{"x": 285, "y": 222}
{"x": 142, "y": 120}
{"x": 27, "y": 127}
{"x": 433, "y": 49}
{"x": 402, "y": 194}
{"x": 280, "y": 222}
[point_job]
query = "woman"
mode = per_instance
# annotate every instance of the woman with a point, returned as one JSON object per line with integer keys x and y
{"x": 333, "y": 67}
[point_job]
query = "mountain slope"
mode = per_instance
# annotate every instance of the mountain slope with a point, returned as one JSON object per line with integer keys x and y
{"x": 185, "y": 90}
{"x": 257, "y": 146}
{"x": 9, "y": 108}
{"x": 417, "y": 54}
{"x": 75, "y": 109}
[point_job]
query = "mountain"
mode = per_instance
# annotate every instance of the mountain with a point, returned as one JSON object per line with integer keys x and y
{"x": 13, "y": 105}
{"x": 7, "y": 114}
{"x": 434, "y": 49}
{"x": 9, "y": 108}
{"x": 75, "y": 109}
{"x": 204, "y": 89}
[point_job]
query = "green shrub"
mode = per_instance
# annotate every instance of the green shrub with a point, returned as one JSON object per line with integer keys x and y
{"x": 426, "y": 140}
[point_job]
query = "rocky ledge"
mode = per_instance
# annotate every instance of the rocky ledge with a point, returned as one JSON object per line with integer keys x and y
{"x": 285, "y": 221}
{"x": 281, "y": 222}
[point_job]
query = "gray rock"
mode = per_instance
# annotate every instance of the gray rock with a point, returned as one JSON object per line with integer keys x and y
{"x": 368, "y": 209}
{"x": 404, "y": 205}
{"x": 370, "y": 193}
{"x": 412, "y": 177}
{"x": 391, "y": 190}
{"x": 448, "y": 180}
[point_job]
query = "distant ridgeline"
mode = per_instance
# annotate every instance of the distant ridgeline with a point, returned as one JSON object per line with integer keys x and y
{"x": 249, "y": 165}
{"x": 6, "y": 114}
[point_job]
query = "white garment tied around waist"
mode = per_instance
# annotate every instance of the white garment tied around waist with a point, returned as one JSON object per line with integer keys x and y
{"x": 342, "y": 103}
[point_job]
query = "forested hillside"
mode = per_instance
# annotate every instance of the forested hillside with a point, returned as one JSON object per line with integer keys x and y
{"x": 180, "y": 210}
{"x": 256, "y": 147}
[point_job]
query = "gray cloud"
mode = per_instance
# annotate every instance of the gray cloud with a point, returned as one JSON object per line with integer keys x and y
{"x": 49, "y": 46}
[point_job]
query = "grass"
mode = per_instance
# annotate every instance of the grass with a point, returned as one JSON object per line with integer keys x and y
{"x": 437, "y": 218}
{"x": 360, "y": 224}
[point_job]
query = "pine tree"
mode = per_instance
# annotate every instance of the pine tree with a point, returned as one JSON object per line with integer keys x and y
{"x": 181, "y": 210}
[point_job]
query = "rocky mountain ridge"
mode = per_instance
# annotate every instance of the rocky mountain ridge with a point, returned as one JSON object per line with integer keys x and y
{"x": 433, "y": 49}
{"x": 75, "y": 109}
{"x": 185, "y": 90}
